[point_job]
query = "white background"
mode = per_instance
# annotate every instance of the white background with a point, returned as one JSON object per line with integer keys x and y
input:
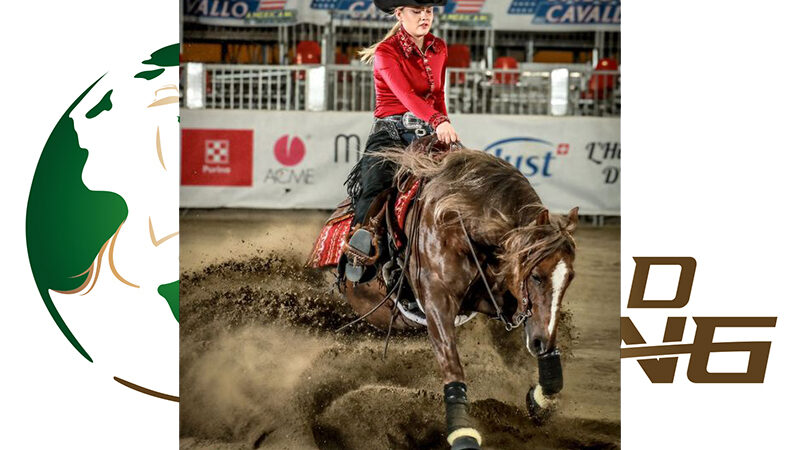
{"x": 710, "y": 132}
{"x": 51, "y": 396}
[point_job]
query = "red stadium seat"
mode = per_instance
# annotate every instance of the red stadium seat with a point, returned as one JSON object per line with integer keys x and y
{"x": 458, "y": 55}
{"x": 506, "y": 62}
{"x": 308, "y": 52}
{"x": 601, "y": 85}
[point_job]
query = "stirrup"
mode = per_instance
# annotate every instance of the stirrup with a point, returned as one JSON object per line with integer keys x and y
{"x": 359, "y": 256}
{"x": 391, "y": 271}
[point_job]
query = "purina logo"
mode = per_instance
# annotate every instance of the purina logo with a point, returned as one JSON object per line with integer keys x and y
{"x": 217, "y": 151}
{"x": 216, "y": 157}
{"x": 533, "y": 157}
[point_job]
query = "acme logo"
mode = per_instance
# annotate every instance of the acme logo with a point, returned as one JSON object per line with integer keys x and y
{"x": 662, "y": 369}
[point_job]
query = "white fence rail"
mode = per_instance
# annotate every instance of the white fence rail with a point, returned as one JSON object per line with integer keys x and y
{"x": 560, "y": 91}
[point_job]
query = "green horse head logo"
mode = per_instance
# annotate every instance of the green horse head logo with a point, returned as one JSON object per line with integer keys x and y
{"x": 71, "y": 230}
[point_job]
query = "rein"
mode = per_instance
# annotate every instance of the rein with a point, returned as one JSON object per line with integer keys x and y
{"x": 508, "y": 325}
{"x": 396, "y": 288}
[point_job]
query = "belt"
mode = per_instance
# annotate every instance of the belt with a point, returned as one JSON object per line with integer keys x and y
{"x": 407, "y": 122}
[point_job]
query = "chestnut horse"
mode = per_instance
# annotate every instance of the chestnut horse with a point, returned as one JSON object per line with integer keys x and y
{"x": 479, "y": 241}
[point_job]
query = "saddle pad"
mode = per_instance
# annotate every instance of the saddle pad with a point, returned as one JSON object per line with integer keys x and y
{"x": 401, "y": 208}
{"x": 330, "y": 243}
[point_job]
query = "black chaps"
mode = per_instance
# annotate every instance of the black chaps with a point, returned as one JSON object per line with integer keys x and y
{"x": 371, "y": 175}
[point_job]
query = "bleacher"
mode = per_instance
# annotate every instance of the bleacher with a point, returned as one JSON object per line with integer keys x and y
{"x": 306, "y": 66}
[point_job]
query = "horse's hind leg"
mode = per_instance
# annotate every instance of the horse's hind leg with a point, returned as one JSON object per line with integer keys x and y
{"x": 441, "y": 330}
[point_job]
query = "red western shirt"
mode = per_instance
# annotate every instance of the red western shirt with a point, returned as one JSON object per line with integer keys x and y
{"x": 410, "y": 79}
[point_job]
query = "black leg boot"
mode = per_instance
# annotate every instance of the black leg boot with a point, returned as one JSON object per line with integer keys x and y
{"x": 460, "y": 433}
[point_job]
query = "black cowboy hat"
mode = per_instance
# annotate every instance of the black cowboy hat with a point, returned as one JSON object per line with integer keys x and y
{"x": 388, "y": 6}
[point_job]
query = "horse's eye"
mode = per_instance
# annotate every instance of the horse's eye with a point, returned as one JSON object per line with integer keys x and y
{"x": 536, "y": 279}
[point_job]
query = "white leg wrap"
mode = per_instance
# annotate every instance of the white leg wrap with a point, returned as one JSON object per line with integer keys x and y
{"x": 541, "y": 399}
{"x": 461, "y": 432}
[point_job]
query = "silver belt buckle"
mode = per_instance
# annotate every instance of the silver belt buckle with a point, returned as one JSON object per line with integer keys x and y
{"x": 411, "y": 122}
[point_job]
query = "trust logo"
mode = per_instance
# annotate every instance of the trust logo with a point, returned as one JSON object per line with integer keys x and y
{"x": 531, "y": 156}
{"x": 656, "y": 360}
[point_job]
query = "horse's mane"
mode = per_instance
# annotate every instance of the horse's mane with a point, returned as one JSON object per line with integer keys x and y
{"x": 497, "y": 203}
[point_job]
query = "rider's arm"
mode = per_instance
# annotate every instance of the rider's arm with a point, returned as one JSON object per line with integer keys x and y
{"x": 388, "y": 65}
{"x": 439, "y": 102}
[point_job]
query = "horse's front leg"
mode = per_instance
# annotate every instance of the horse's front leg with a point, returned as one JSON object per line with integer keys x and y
{"x": 541, "y": 399}
{"x": 441, "y": 317}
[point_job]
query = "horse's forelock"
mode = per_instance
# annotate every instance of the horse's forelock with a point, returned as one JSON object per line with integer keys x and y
{"x": 523, "y": 248}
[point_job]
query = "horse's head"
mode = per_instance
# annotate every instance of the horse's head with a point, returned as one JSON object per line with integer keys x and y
{"x": 537, "y": 262}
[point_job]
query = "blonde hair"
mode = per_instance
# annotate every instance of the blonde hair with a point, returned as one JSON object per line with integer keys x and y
{"x": 367, "y": 55}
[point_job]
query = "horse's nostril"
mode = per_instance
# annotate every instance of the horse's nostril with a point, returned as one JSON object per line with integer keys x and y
{"x": 538, "y": 345}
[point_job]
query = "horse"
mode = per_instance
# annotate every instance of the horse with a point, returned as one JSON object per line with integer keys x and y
{"x": 479, "y": 241}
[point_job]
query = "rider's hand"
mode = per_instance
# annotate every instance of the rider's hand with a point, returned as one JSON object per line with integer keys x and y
{"x": 446, "y": 133}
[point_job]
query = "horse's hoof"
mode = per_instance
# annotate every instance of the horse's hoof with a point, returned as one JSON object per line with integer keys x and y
{"x": 540, "y": 408}
{"x": 465, "y": 443}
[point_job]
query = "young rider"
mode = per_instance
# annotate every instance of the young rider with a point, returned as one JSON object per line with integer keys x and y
{"x": 409, "y": 70}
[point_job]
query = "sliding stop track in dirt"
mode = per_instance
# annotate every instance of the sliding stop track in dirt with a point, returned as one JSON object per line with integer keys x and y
{"x": 261, "y": 365}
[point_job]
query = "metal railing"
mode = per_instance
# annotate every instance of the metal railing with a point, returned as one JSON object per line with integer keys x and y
{"x": 597, "y": 94}
{"x": 507, "y": 91}
{"x": 255, "y": 87}
{"x": 498, "y": 91}
{"x": 351, "y": 88}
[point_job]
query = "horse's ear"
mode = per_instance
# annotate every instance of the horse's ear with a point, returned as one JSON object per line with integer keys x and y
{"x": 543, "y": 218}
{"x": 572, "y": 220}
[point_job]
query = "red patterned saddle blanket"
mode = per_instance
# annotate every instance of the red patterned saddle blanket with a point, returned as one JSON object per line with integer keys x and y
{"x": 329, "y": 245}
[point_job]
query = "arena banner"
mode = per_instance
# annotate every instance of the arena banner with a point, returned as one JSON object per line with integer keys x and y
{"x": 541, "y": 15}
{"x": 217, "y": 157}
{"x": 240, "y": 12}
{"x": 570, "y": 161}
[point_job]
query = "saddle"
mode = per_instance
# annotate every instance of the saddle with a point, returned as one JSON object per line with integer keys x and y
{"x": 387, "y": 216}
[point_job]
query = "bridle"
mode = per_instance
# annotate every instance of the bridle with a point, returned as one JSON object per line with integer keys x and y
{"x": 522, "y": 314}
